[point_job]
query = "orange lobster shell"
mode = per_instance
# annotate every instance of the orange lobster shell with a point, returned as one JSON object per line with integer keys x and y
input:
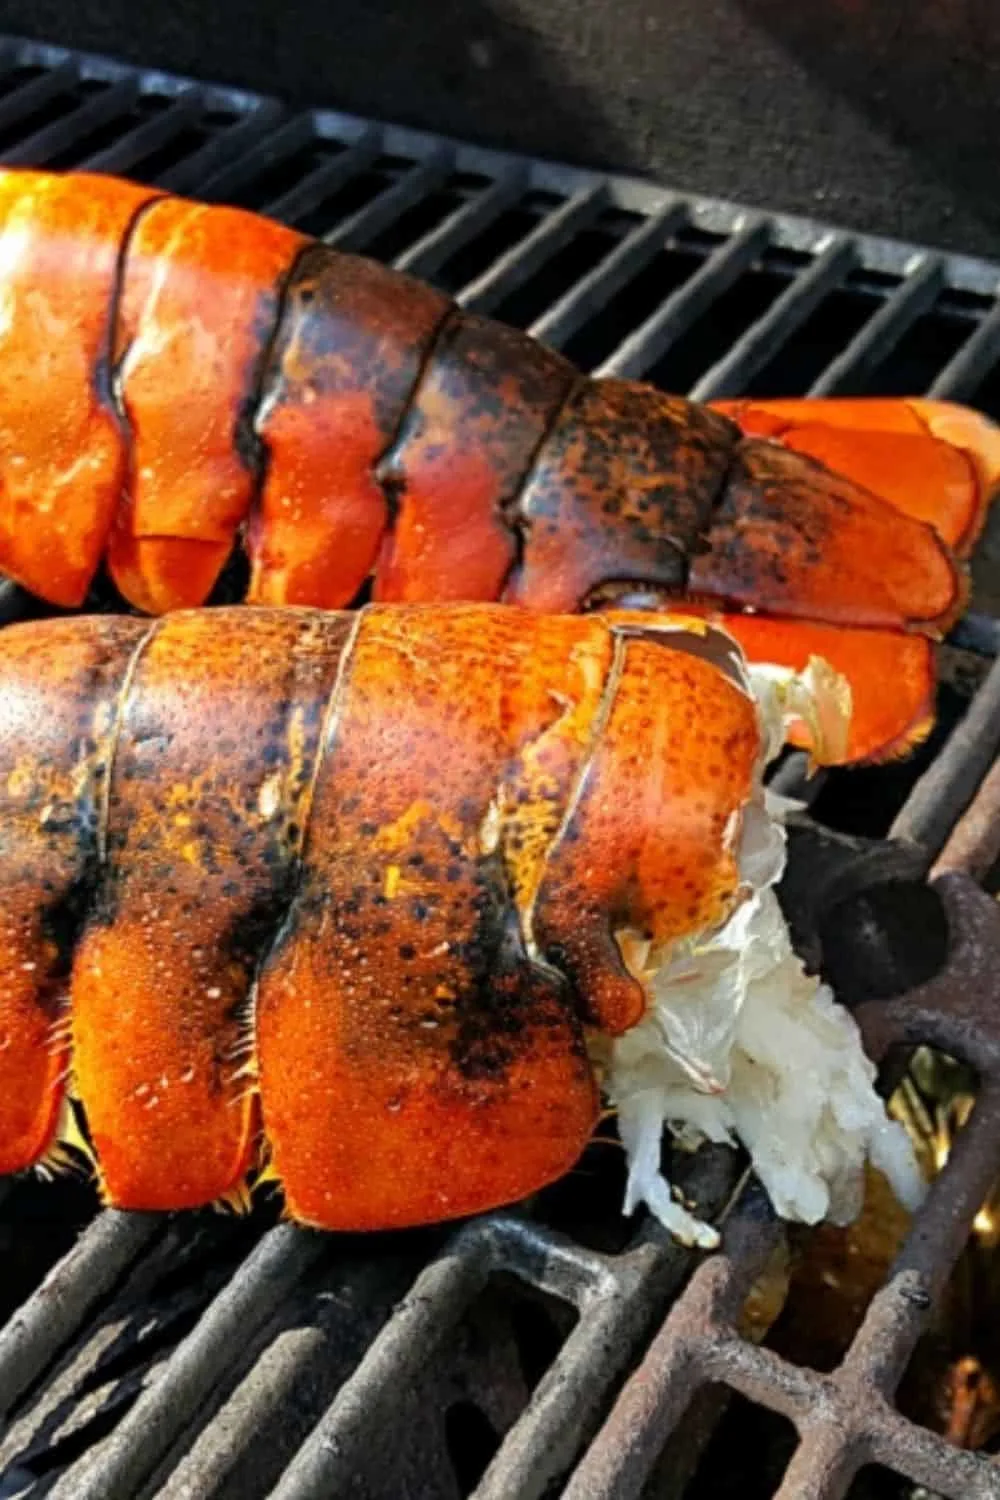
{"x": 342, "y": 890}
{"x": 177, "y": 379}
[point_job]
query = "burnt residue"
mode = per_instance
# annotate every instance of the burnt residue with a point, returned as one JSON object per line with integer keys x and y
{"x": 622, "y": 489}
{"x": 509, "y": 998}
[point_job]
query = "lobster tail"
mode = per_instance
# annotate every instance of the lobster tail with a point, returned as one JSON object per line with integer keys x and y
{"x": 354, "y": 880}
{"x": 180, "y": 380}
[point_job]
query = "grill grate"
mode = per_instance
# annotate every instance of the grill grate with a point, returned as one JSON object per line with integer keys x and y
{"x": 207, "y": 1358}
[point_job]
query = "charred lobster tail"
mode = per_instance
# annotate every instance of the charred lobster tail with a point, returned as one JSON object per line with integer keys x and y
{"x": 178, "y": 379}
{"x": 353, "y": 895}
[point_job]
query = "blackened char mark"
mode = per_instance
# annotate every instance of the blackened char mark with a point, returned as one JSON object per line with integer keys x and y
{"x": 508, "y": 999}
{"x": 623, "y": 490}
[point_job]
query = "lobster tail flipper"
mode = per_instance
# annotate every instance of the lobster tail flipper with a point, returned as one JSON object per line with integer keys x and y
{"x": 792, "y": 539}
{"x": 932, "y": 460}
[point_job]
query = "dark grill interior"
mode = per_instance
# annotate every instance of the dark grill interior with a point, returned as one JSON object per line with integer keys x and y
{"x": 557, "y": 1349}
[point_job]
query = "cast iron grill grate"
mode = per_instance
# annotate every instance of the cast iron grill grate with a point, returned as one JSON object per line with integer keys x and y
{"x": 209, "y": 1358}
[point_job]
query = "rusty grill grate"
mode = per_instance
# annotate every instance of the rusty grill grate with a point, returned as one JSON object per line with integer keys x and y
{"x": 537, "y": 1352}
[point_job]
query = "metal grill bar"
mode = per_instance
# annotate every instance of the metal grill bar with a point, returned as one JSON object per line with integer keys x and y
{"x": 511, "y": 270}
{"x": 235, "y": 147}
{"x": 946, "y": 789}
{"x": 973, "y": 362}
{"x": 731, "y": 374}
{"x": 638, "y": 353}
{"x": 426, "y": 256}
{"x": 565, "y": 318}
{"x": 843, "y": 1418}
{"x": 882, "y": 332}
{"x": 23, "y": 101}
{"x": 195, "y": 174}
{"x": 67, "y": 1295}
{"x": 326, "y": 179}
{"x": 147, "y": 138}
{"x": 384, "y": 210}
{"x": 52, "y": 139}
{"x": 197, "y": 1365}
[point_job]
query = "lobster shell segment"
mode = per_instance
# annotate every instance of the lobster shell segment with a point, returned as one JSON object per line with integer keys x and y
{"x": 622, "y": 489}
{"x": 62, "y": 451}
{"x": 357, "y": 881}
{"x": 493, "y": 395}
{"x": 58, "y": 726}
{"x": 212, "y": 777}
{"x": 199, "y": 302}
{"x": 352, "y": 341}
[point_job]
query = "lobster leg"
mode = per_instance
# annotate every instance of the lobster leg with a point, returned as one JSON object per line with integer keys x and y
{"x": 57, "y": 722}
{"x": 210, "y": 789}
{"x": 932, "y": 460}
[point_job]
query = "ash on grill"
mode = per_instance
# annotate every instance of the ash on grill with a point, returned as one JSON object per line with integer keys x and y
{"x": 559, "y": 1349}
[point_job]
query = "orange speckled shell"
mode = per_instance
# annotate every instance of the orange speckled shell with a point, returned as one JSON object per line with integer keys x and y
{"x": 62, "y": 450}
{"x": 199, "y": 303}
{"x": 355, "y": 884}
{"x": 59, "y": 690}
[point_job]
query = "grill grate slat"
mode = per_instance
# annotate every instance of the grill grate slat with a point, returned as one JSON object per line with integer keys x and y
{"x": 23, "y": 102}
{"x": 195, "y": 1368}
{"x": 429, "y": 253}
{"x": 567, "y": 316}
{"x": 877, "y": 339}
{"x": 325, "y": 179}
{"x": 33, "y": 1339}
{"x": 972, "y": 363}
{"x": 512, "y": 269}
{"x": 730, "y": 375}
{"x": 388, "y": 206}
{"x": 637, "y": 355}
{"x": 46, "y": 144}
{"x": 170, "y": 1399}
{"x": 152, "y": 135}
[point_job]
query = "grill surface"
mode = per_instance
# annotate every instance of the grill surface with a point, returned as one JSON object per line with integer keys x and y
{"x": 211, "y": 1357}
